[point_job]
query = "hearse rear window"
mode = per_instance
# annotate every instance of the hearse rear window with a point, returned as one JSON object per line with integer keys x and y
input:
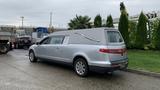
{"x": 114, "y": 37}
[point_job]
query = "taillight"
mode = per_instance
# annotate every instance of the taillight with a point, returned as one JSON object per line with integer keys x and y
{"x": 113, "y": 51}
{"x": 103, "y": 50}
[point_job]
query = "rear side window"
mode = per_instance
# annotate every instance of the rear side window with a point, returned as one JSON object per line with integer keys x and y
{"x": 57, "y": 40}
{"x": 114, "y": 37}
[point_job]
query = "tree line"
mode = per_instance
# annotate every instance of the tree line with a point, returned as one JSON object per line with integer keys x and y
{"x": 82, "y": 22}
{"x": 141, "y": 34}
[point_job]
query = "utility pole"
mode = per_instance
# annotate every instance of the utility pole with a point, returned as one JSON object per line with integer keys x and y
{"x": 50, "y": 24}
{"x": 22, "y": 21}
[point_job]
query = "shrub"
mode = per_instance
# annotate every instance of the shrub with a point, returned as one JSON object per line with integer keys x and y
{"x": 156, "y": 37}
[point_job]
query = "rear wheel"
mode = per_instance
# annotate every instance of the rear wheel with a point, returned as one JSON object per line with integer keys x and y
{"x": 25, "y": 47}
{"x": 81, "y": 67}
{"x": 32, "y": 56}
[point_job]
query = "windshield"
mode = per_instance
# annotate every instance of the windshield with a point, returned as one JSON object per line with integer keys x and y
{"x": 114, "y": 37}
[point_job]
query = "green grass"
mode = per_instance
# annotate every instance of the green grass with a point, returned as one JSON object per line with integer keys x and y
{"x": 144, "y": 60}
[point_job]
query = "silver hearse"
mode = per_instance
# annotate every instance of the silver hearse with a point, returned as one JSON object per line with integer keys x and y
{"x": 97, "y": 49}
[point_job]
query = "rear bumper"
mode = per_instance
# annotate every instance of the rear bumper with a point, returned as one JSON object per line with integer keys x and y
{"x": 118, "y": 65}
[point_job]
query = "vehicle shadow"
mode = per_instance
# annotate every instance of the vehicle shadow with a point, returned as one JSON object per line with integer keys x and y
{"x": 117, "y": 75}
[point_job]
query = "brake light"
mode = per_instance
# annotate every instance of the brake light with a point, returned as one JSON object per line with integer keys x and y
{"x": 113, "y": 51}
{"x": 103, "y": 50}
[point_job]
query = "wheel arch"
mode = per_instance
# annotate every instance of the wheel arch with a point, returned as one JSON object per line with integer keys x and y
{"x": 80, "y": 56}
{"x": 32, "y": 50}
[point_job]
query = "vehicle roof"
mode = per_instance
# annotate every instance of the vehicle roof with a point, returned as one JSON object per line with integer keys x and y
{"x": 81, "y": 30}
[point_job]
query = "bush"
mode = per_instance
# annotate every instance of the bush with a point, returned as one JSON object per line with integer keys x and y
{"x": 132, "y": 32}
{"x": 156, "y": 37}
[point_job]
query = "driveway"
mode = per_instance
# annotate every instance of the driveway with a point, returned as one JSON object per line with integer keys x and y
{"x": 17, "y": 73}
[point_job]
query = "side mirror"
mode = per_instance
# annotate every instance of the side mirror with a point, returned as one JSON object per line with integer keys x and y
{"x": 37, "y": 43}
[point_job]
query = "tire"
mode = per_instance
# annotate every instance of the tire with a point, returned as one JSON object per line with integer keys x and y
{"x": 81, "y": 67}
{"x": 25, "y": 47}
{"x": 3, "y": 49}
{"x": 32, "y": 57}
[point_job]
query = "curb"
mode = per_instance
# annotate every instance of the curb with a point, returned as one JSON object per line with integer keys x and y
{"x": 146, "y": 73}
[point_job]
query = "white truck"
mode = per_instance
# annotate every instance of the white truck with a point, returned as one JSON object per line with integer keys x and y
{"x": 5, "y": 44}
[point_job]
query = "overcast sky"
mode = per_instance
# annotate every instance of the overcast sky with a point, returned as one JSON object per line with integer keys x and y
{"x": 36, "y": 12}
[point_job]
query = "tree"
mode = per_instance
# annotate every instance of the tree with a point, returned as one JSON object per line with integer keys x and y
{"x": 156, "y": 37}
{"x": 80, "y": 22}
{"x": 141, "y": 34}
{"x": 109, "y": 22}
{"x": 122, "y": 7}
{"x": 123, "y": 24}
{"x": 98, "y": 21}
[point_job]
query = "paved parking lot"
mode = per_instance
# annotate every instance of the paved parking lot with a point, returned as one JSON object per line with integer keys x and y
{"x": 17, "y": 73}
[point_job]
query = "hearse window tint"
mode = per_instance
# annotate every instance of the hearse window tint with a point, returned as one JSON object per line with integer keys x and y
{"x": 57, "y": 40}
{"x": 114, "y": 37}
{"x": 45, "y": 41}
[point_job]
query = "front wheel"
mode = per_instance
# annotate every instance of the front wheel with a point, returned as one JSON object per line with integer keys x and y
{"x": 81, "y": 67}
{"x": 32, "y": 57}
{"x": 3, "y": 49}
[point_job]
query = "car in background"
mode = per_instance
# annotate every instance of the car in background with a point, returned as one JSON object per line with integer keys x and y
{"x": 23, "y": 42}
{"x": 96, "y": 49}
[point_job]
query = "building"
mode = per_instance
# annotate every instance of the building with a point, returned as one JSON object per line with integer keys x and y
{"x": 150, "y": 15}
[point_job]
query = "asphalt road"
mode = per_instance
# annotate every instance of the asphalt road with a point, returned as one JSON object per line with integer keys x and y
{"x": 17, "y": 73}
